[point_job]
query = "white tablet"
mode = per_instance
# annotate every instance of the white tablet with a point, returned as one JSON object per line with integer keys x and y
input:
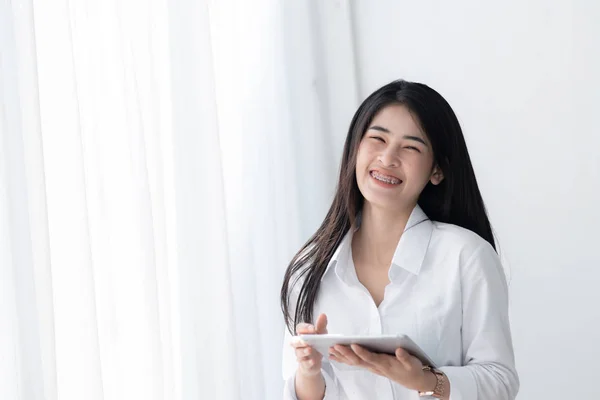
{"x": 378, "y": 344}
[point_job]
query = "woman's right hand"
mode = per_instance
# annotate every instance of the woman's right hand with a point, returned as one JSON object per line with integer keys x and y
{"x": 309, "y": 359}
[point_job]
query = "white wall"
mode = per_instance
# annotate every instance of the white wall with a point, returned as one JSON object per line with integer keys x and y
{"x": 523, "y": 78}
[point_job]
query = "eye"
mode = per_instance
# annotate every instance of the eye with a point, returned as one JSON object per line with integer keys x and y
{"x": 413, "y": 148}
{"x": 378, "y": 138}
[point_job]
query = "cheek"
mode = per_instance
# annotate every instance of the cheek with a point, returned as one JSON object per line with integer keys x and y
{"x": 362, "y": 165}
{"x": 362, "y": 160}
{"x": 420, "y": 168}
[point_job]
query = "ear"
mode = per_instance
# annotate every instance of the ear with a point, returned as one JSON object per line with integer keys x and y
{"x": 437, "y": 176}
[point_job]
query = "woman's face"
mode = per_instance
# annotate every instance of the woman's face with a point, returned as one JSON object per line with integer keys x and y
{"x": 395, "y": 160}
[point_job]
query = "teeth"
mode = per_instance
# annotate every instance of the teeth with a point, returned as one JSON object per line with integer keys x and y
{"x": 392, "y": 181}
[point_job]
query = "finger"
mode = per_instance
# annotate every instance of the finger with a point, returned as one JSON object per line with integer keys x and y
{"x": 298, "y": 343}
{"x": 337, "y": 356}
{"x": 332, "y": 356}
{"x": 336, "y": 353}
{"x": 366, "y": 355}
{"x": 348, "y": 354}
{"x": 381, "y": 362}
{"x": 310, "y": 366}
{"x": 404, "y": 357}
{"x": 303, "y": 351}
{"x": 313, "y": 354}
{"x": 340, "y": 358}
{"x": 304, "y": 328}
{"x": 309, "y": 351}
{"x": 308, "y": 363}
{"x": 302, "y": 359}
{"x": 376, "y": 371}
{"x": 321, "y": 324}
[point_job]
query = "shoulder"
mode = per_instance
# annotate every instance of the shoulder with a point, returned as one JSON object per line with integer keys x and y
{"x": 456, "y": 237}
{"x": 474, "y": 256}
{"x": 461, "y": 244}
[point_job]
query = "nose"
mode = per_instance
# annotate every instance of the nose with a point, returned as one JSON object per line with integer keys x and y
{"x": 389, "y": 158}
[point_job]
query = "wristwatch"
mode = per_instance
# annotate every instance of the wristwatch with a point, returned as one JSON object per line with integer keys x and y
{"x": 438, "y": 391}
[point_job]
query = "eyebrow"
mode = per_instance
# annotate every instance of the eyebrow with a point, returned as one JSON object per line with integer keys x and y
{"x": 409, "y": 137}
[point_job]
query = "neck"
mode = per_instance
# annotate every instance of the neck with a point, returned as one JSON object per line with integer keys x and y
{"x": 380, "y": 231}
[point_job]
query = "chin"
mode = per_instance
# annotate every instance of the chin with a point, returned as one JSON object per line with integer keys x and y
{"x": 386, "y": 204}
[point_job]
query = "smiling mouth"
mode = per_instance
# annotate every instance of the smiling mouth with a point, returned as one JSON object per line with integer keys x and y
{"x": 391, "y": 180}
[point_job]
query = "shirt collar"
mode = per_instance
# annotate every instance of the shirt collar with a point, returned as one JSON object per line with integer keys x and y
{"x": 343, "y": 250}
{"x": 410, "y": 251}
{"x": 414, "y": 242}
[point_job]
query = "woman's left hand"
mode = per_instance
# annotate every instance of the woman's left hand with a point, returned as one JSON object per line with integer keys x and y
{"x": 402, "y": 368}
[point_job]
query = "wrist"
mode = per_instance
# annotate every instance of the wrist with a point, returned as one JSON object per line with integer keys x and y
{"x": 438, "y": 387}
{"x": 309, "y": 386}
{"x": 428, "y": 381}
{"x": 309, "y": 374}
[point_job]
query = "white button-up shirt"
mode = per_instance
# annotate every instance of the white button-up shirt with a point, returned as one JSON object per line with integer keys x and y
{"x": 447, "y": 291}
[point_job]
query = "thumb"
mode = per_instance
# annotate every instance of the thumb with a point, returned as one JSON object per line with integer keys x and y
{"x": 321, "y": 325}
{"x": 404, "y": 357}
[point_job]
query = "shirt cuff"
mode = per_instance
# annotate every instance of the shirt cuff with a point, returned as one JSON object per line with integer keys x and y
{"x": 331, "y": 390}
{"x": 462, "y": 383}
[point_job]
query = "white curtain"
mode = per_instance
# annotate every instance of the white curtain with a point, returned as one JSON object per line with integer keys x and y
{"x": 160, "y": 163}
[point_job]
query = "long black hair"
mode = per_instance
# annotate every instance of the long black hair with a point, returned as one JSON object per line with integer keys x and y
{"x": 456, "y": 200}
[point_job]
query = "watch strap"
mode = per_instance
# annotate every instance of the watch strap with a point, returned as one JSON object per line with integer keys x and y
{"x": 438, "y": 391}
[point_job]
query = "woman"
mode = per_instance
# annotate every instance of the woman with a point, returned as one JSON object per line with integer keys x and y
{"x": 406, "y": 248}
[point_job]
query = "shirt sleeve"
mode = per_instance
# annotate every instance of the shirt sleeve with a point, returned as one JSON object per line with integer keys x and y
{"x": 488, "y": 370}
{"x": 332, "y": 389}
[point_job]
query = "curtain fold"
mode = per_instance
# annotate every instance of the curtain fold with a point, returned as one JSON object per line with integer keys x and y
{"x": 28, "y": 362}
{"x": 160, "y": 163}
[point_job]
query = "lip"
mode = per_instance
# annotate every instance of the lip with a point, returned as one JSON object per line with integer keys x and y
{"x": 382, "y": 184}
{"x": 385, "y": 173}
